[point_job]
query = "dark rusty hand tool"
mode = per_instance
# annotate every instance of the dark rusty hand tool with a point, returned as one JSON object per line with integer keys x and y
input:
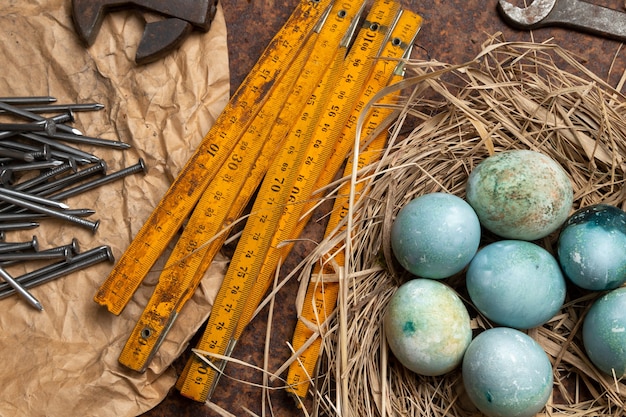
{"x": 159, "y": 37}
{"x": 573, "y": 14}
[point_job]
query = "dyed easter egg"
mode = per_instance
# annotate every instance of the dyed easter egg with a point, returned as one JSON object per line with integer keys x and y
{"x": 520, "y": 194}
{"x": 507, "y": 374}
{"x": 604, "y": 333}
{"x": 435, "y": 235}
{"x": 592, "y": 247}
{"x": 427, "y": 327}
{"x": 516, "y": 283}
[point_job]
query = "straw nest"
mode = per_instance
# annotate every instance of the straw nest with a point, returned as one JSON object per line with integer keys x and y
{"x": 450, "y": 118}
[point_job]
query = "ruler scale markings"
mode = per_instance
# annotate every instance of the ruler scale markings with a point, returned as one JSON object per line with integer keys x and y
{"x": 230, "y": 191}
{"x": 197, "y": 380}
{"x": 322, "y": 291}
{"x": 213, "y": 151}
{"x": 369, "y": 44}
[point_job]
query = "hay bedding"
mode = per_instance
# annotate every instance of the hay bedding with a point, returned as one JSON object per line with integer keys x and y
{"x": 512, "y": 96}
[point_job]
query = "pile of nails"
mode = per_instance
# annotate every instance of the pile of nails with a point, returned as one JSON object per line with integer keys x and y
{"x": 40, "y": 167}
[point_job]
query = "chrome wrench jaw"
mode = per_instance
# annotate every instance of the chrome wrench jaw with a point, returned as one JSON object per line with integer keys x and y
{"x": 526, "y": 17}
{"x": 573, "y": 14}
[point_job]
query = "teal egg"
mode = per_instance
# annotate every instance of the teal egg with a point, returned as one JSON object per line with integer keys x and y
{"x": 507, "y": 374}
{"x": 592, "y": 247}
{"x": 604, "y": 333}
{"x": 435, "y": 235}
{"x": 516, "y": 283}
{"x": 520, "y": 194}
{"x": 427, "y": 327}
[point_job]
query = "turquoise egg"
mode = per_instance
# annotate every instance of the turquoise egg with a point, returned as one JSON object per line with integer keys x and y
{"x": 520, "y": 194}
{"x": 604, "y": 333}
{"x": 427, "y": 327}
{"x": 516, "y": 283}
{"x": 592, "y": 247}
{"x": 435, "y": 235}
{"x": 507, "y": 374}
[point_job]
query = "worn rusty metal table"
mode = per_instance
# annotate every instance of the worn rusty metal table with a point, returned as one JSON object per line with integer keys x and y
{"x": 453, "y": 32}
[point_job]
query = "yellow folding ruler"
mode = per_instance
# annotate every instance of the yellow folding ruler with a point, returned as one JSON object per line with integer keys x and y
{"x": 309, "y": 142}
{"x": 231, "y": 189}
{"x": 291, "y": 223}
{"x": 215, "y": 149}
{"x": 322, "y": 290}
{"x": 392, "y": 52}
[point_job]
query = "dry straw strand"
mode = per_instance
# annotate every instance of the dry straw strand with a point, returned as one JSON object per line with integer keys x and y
{"x": 514, "y": 95}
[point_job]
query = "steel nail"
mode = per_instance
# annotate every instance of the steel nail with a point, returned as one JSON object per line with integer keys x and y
{"x": 5, "y": 227}
{"x": 35, "y": 256}
{"x": 20, "y": 290}
{"x": 30, "y": 166}
{"x": 60, "y": 183}
{"x": 28, "y": 99}
{"x": 93, "y": 226}
{"x": 34, "y": 198}
{"x": 33, "y": 116}
{"x": 59, "y": 269}
{"x": 134, "y": 169}
{"x": 46, "y": 125}
{"x": 45, "y": 176}
{"x": 45, "y": 148}
{"x": 14, "y": 154}
{"x": 32, "y": 244}
{"x": 27, "y": 216}
{"x": 90, "y": 140}
{"x": 61, "y": 147}
{"x": 53, "y": 108}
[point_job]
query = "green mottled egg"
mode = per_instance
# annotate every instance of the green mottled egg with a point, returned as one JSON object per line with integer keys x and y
{"x": 604, "y": 333}
{"x": 520, "y": 194}
{"x": 592, "y": 247}
{"x": 435, "y": 235}
{"x": 427, "y": 327}
{"x": 507, "y": 374}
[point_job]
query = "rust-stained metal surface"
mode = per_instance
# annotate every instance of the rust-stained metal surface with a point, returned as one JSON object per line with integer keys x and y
{"x": 453, "y": 32}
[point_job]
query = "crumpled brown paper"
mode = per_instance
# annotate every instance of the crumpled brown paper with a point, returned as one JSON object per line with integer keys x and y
{"x": 63, "y": 361}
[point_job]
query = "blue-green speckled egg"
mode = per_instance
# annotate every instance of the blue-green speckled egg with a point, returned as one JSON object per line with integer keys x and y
{"x": 604, "y": 333}
{"x": 592, "y": 247}
{"x": 520, "y": 194}
{"x": 435, "y": 235}
{"x": 516, "y": 283}
{"x": 427, "y": 327}
{"x": 507, "y": 374}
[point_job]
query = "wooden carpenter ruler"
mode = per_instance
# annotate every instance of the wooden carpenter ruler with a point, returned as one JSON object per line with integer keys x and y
{"x": 374, "y": 34}
{"x": 385, "y": 65}
{"x": 228, "y": 193}
{"x": 323, "y": 287}
{"x": 308, "y": 144}
{"x": 217, "y": 147}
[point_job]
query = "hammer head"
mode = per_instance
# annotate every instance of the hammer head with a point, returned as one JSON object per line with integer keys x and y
{"x": 527, "y": 17}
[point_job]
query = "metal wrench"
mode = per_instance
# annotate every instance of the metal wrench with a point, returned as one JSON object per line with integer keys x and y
{"x": 573, "y": 14}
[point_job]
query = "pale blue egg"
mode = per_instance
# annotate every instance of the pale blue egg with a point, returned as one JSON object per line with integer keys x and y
{"x": 507, "y": 374}
{"x": 520, "y": 194}
{"x": 592, "y": 247}
{"x": 604, "y": 333}
{"x": 516, "y": 283}
{"x": 435, "y": 235}
{"x": 427, "y": 327}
